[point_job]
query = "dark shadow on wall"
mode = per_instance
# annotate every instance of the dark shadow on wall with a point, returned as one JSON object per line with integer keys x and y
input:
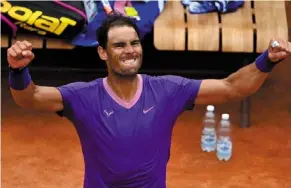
{"x": 190, "y": 64}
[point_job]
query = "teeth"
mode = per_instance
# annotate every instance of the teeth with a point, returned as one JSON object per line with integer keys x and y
{"x": 130, "y": 62}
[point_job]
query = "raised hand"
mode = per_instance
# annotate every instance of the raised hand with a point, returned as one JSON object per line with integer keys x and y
{"x": 20, "y": 54}
{"x": 279, "y": 49}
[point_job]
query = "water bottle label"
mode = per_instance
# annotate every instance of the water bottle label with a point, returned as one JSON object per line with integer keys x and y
{"x": 224, "y": 146}
{"x": 208, "y": 139}
{"x": 208, "y": 142}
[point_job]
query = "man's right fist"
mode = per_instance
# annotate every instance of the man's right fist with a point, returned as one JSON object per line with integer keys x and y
{"x": 19, "y": 55}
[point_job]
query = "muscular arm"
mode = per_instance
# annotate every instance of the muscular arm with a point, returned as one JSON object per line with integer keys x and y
{"x": 236, "y": 86}
{"x": 245, "y": 81}
{"x": 24, "y": 92}
{"x": 40, "y": 98}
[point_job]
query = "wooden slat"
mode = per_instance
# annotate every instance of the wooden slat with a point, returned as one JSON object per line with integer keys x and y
{"x": 36, "y": 41}
{"x": 169, "y": 27}
{"x": 4, "y": 41}
{"x": 58, "y": 44}
{"x": 237, "y": 30}
{"x": 271, "y": 21}
{"x": 203, "y": 31}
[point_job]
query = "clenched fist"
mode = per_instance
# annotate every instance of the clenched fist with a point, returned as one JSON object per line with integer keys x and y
{"x": 279, "y": 49}
{"x": 19, "y": 55}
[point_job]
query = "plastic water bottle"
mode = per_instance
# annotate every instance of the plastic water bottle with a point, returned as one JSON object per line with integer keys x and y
{"x": 208, "y": 138}
{"x": 224, "y": 141}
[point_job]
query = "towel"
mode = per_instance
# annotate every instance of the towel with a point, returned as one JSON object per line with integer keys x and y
{"x": 144, "y": 12}
{"x": 221, "y": 6}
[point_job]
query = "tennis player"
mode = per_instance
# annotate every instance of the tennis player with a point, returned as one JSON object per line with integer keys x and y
{"x": 125, "y": 120}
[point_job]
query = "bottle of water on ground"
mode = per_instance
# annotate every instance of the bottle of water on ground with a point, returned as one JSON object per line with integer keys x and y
{"x": 224, "y": 141}
{"x": 208, "y": 138}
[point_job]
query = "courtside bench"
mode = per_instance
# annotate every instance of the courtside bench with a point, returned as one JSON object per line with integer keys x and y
{"x": 37, "y": 42}
{"x": 247, "y": 30}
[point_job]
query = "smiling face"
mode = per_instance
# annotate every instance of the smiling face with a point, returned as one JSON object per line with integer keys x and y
{"x": 123, "y": 54}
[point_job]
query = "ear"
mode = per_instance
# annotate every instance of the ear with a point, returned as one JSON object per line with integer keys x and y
{"x": 102, "y": 53}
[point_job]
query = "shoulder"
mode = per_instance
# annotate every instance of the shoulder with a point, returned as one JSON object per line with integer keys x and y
{"x": 81, "y": 86}
{"x": 166, "y": 79}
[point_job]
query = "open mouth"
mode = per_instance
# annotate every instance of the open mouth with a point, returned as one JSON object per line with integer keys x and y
{"x": 129, "y": 62}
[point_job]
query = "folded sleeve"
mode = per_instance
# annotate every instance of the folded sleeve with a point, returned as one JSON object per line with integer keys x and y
{"x": 181, "y": 91}
{"x": 70, "y": 97}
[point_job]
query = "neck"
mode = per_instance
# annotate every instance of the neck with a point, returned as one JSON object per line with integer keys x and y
{"x": 124, "y": 87}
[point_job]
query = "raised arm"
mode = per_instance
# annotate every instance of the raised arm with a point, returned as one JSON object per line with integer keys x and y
{"x": 24, "y": 92}
{"x": 246, "y": 80}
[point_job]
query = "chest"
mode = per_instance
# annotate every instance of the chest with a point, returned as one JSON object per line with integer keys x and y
{"x": 107, "y": 119}
{"x": 144, "y": 118}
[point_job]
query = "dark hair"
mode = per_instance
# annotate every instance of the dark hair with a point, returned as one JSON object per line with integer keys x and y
{"x": 112, "y": 20}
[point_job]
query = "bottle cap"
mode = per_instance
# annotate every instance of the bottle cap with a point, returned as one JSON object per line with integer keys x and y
{"x": 210, "y": 108}
{"x": 225, "y": 116}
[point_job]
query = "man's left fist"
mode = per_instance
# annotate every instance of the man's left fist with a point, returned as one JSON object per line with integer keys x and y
{"x": 278, "y": 49}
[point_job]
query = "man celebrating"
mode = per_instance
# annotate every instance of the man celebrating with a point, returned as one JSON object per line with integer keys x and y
{"x": 125, "y": 120}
